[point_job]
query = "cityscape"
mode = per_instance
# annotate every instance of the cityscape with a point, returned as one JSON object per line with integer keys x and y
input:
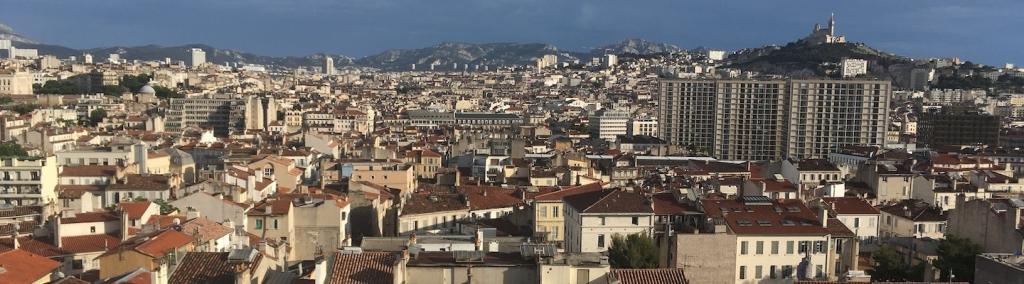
{"x": 822, "y": 159}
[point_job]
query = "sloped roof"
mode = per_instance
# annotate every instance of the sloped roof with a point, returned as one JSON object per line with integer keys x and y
{"x": 24, "y": 267}
{"x": 609, "y": 201}
{"x": 365, "y": 267}
{"x": 654, "y": 275}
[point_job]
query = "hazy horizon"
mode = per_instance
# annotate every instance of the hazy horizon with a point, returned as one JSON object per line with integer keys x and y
{"x": 916, "y": 28}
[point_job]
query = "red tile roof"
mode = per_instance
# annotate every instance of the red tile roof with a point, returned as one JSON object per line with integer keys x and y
{"x": 89, "y": 243}
{"x": 206, "y": 267}
{"x": 850, "y": 205}
{"x": 24, "y": 267}
{"x": 34, "y": 246}
{"x": 558, "y": 195}
{"x": 88, "y": 217}
{"x": 609, "y": 201}
{"x": 134, "y": 210}
{"x": 89, "y": 171}
{"x": 490, "y": 197}
{"x": 365, "y": 267}
{"x": 655, "y": 275}
{"x": 777, "y": 217}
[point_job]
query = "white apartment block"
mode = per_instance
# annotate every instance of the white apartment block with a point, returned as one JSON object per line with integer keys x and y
{"x": 28, "y": 180}
{"x": 593, "y": 218}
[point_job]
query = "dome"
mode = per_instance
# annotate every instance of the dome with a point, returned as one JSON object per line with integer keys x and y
{"x": 147, "y": 89}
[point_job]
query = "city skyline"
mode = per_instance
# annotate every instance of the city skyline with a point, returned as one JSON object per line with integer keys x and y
{"x": 917, "y": 29}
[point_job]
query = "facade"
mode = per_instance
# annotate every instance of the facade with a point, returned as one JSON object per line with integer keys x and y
{"x": 994, "y": 224}
{"x": 217, "y": 112}
{"x": 15, "y": 83}
{"x": 644, "y": 126}
{"x": 593, "y": 218}
{"x": 958, "y": 128}
{"x": 766, "y": 241}
{"x": 28, "y": 181}
{"x": 912, "y": 218}
{"x": 607, "y": 124}
{"x": 853, "y": 67}
{"x": 329, "y": 66}
{"x": 196, "y": 57}
{"x": 768, "y": 120}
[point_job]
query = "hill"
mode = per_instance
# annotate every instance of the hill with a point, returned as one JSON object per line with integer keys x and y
{"x": 444, "y": 55}
{"x": 636, "y": 46}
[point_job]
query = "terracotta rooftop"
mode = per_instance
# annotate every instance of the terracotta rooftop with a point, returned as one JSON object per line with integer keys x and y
{"x": 20, "y": 266}
{"x": 207, "y": 267}
{"x": 610, "y": 201}
{"x": 654, "y": 275}
{"x": 89, "y": 171}
{"x": 850, "y": 205}
{"x": 365, "y": 267}
{"x": 135, "y": 210}
{"x": 89, "y": 243}
{"x": 762, "y": 216}
{"x": 88, "y": 217}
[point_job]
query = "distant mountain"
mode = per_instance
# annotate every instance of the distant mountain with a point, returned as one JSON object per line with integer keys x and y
{"x": 181, "y": 52}
{"x": 7, "y": 32}
{"x": 636, "y": 46}
{"x": 445, "y": 55}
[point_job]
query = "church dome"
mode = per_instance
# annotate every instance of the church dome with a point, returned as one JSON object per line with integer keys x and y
{"x": 147, "y": 89}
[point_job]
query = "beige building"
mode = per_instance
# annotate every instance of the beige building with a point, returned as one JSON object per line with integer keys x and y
{"x": 15, "y": 83}
{"x": 912, "y": 218}
{"x": 593, "y": 218}
{"x": 306, "y": 222}
{"x": 549, "y": 209}
{"x": 386, "y": 173}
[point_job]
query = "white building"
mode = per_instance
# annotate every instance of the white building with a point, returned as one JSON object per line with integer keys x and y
{"x": 28, "y": 180}
{"x": 197, "y": 57}
{"x": 608, "y": 124}
{"x": 853, "y": 67}
{"x": 329, "y": 65}
{"x": 593, "y": 218}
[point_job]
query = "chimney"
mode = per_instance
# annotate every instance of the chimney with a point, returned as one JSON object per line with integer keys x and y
{"x": 823, "y": 216}
{"x": 478, "y": 241}
{"x": 56, "y": 230}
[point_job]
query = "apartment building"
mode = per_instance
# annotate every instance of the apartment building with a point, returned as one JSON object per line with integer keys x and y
{"x": 771, "y": 119}
{"x": 221, "y": 113}
{"x": 755, "y": 239}
{"x": 593, "y": 218}
{"x": 28, "y": 180}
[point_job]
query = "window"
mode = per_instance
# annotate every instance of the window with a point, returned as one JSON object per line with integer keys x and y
{"x": 775, "y": 247}
{"x": 259, "y": 224}
{"x": 275, "y": 223}
{"x": 920, "y": 228}
{"x": 743, "y": 272}
{"x": 819, "y": 271}
{"x": 602, "y": 221}
{"x": 76, "y": 264}
{"x": 600, "y": 241}
{"x": 554, "y": 232}
{"x": 771, "y": 272}
{"x": 787, "y": 271}
{"x": 344, "y": 215}
{"x": 789, "y": 247}
{"x": 819, "y": 247}
{"x": 636, "y": 220}
{"x": 856, "y": 222}
{"x": 92, "y": 229}
{"x": 804, "y": 246}
{"x": 743, "y": 247}
{"x": 760, "y": 249}
{"x": 757, "y": 272}
{"x": 554, "y": 211}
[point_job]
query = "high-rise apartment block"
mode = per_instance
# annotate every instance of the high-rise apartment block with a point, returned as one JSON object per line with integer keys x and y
{"x": 197, "y": 57}
{"x": 771, "y": 119}
{"x": 329, "y": 65}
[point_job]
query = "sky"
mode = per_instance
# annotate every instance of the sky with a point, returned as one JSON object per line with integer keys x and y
{"x": 985, "y": 31}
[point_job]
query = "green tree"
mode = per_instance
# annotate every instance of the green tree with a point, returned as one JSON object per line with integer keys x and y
{"x": 24, "y": 108}
{"x": 134, "y": 82}
{"x": 633, "y": 251}
{"x": 889, "y": 265}
{"x": 6, "y": 100}
{"x": 956, "y": 255}
{"x": 113, "y": 90}
{"x": 60, "y": 87}
{"x": 10, "y": 148}
{"x": 165, "y": 207}
{"x": 97, "y": 116}
{"x": 165, "y": 92}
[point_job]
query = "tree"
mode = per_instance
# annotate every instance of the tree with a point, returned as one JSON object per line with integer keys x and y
{"x": 60, "y": 87}
{"x": 6, "y": 100}
{"x": 24, "y": 108}
{"x": 134, "y": 82}
{"x": 956, "y": 255}
{"x": 889, "y": 265}
{"x": 165, "y": 207}
{"x": 10, "y": 148}
{"x": 165, "y": 92}
{"x": 97, "y": 116}
{"x": 633, "y": 251}
{"x": 113, "y": 90}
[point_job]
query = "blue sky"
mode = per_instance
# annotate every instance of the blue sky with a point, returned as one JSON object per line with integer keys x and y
{"x": 984, "y": 31}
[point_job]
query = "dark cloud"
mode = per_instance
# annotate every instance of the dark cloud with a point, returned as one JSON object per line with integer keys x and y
{"x": 983, "y": 31}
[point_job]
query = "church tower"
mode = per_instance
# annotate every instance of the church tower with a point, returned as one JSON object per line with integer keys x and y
{"x": 832, "y": 24}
